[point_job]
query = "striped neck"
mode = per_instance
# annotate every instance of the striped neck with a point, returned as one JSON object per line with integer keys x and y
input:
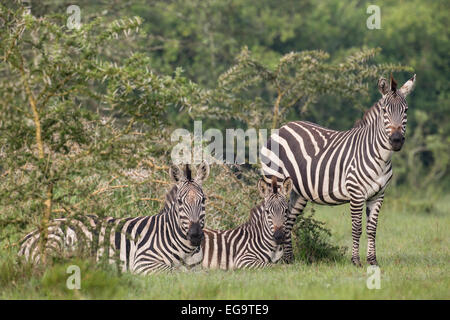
{"x": 377, "y": 140}
{"x": 169, "y": 203}
{"x": 178, "y": 235}
{"x": 259, "y": 226}
{"x": 380, "y": 139}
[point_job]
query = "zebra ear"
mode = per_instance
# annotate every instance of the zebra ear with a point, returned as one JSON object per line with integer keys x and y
{"x": 408, "y": 86}
{"x": 393, "y": 84}
{"x": 383, "y": 86}
{"x": 263, "y": 188}
{"x": 202, "y": 172}
{"x": 176, "y": 173}
{"x": 287, "y": 186}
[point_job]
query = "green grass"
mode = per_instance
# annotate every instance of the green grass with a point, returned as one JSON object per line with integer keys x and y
{"x": 412, "y": 246}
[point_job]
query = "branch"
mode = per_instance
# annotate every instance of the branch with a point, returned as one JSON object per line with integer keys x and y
{"x": 101, "y": 190}
{"x": 152, "y": 199}
{"x": 276, "y": 109}
{"x": 34, "y": 109}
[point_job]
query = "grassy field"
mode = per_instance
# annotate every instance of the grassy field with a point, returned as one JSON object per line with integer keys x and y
{"x": 413, "y": 251}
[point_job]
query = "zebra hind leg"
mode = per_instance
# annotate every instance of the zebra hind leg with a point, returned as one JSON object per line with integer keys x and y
{"x": 250, "y": 261}
{"x": 296, "y": 206}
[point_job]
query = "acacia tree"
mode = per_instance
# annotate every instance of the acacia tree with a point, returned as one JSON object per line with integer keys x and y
{"x": 297, "y": 80}
{"x": 65, "y": 106}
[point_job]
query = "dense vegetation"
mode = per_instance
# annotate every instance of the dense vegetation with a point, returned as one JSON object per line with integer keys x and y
{"x": 86, "y": 113}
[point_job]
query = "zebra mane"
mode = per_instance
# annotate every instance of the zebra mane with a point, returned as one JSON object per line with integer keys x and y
{"x": 366, "y": 117}
{"x": 274, "y": 185}
{"x": 255, "y": 216}
{"x": 393, "y": 84}
{"x": 188, "y": 173}
{"x": 170, "y": 199}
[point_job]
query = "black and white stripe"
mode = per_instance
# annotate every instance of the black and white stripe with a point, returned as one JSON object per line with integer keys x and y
{"x": 140, "y": 244}
{"x": 256, "y": 243}
{"x": 334, "y": 167}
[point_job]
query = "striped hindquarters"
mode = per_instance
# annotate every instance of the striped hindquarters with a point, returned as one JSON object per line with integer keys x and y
{"x": 66, "y": 237}
{"x": 315, "y": 158}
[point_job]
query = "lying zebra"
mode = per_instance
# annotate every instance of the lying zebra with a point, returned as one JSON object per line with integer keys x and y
{"x": 140, "y": 244}
{"x": 256, "y": 243}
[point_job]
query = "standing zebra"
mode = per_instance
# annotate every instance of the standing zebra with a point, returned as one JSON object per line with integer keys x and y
{"x": 141, "y": 244}
{"x": 256, "y": 243}
{"x": 334, "y": 167}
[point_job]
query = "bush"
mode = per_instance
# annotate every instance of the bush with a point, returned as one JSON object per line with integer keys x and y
{"x": 311, "y": 240}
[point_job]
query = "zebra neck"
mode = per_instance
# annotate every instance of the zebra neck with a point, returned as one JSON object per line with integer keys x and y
{"x": 258, "y": 226}
{"x": 381, "y": 139}
{"x": 376, "y": 144}
{"x": 177, "y": 236}
{"x": 256, "y": 214}
{"x": 170, "y": 201}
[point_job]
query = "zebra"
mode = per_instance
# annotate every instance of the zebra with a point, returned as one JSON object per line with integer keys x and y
{"x": 256, "y": 243}
{"x": 335, "y": 167}
{"x": 140, "y": 245}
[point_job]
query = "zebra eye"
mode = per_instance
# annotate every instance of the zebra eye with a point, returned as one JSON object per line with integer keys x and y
{"x": 204, "y": 200}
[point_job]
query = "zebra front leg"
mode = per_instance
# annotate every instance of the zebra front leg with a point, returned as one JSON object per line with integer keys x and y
{"x": 356, "y": 207}
{"x": 296, "y": 206}
{"x": 372, "y": 209}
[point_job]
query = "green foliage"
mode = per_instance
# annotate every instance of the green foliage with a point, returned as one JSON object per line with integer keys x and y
{"x": 311, "y": 241}
{"x": 13, "y": 273}
{"x": 97, "y": 281}
{"x": 66, "y": 106}
{"x": 205, "y": 37}
{"x": 297, "y": 80}
{"x": 100, "y": 282}
{"x": 426, "y": 157}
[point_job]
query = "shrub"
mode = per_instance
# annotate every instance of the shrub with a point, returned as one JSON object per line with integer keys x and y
{"x": 311, "y": 240}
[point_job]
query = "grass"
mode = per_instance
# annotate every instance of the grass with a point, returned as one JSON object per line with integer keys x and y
{"x": 412, "y": 246}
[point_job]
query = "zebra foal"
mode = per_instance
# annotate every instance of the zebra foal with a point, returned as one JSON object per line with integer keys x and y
{"x": 141, "y": 244}
{"x": 334, "y": 167}
{"x": 256, "y": 243}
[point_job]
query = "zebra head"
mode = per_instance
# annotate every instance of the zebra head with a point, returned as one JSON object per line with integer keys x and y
{"x": 190, "y": 201}
{"x": 275, "y": 205}
{"x": 394, "y": 108}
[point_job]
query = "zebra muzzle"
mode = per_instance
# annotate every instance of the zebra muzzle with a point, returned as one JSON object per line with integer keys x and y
{"x": 278, "y": 235}
{"x": 195, "y": 234}
{"x": 396, "y": 139}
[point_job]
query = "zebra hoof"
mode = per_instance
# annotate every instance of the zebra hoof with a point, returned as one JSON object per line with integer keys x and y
{"x": 356, "y": 262}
